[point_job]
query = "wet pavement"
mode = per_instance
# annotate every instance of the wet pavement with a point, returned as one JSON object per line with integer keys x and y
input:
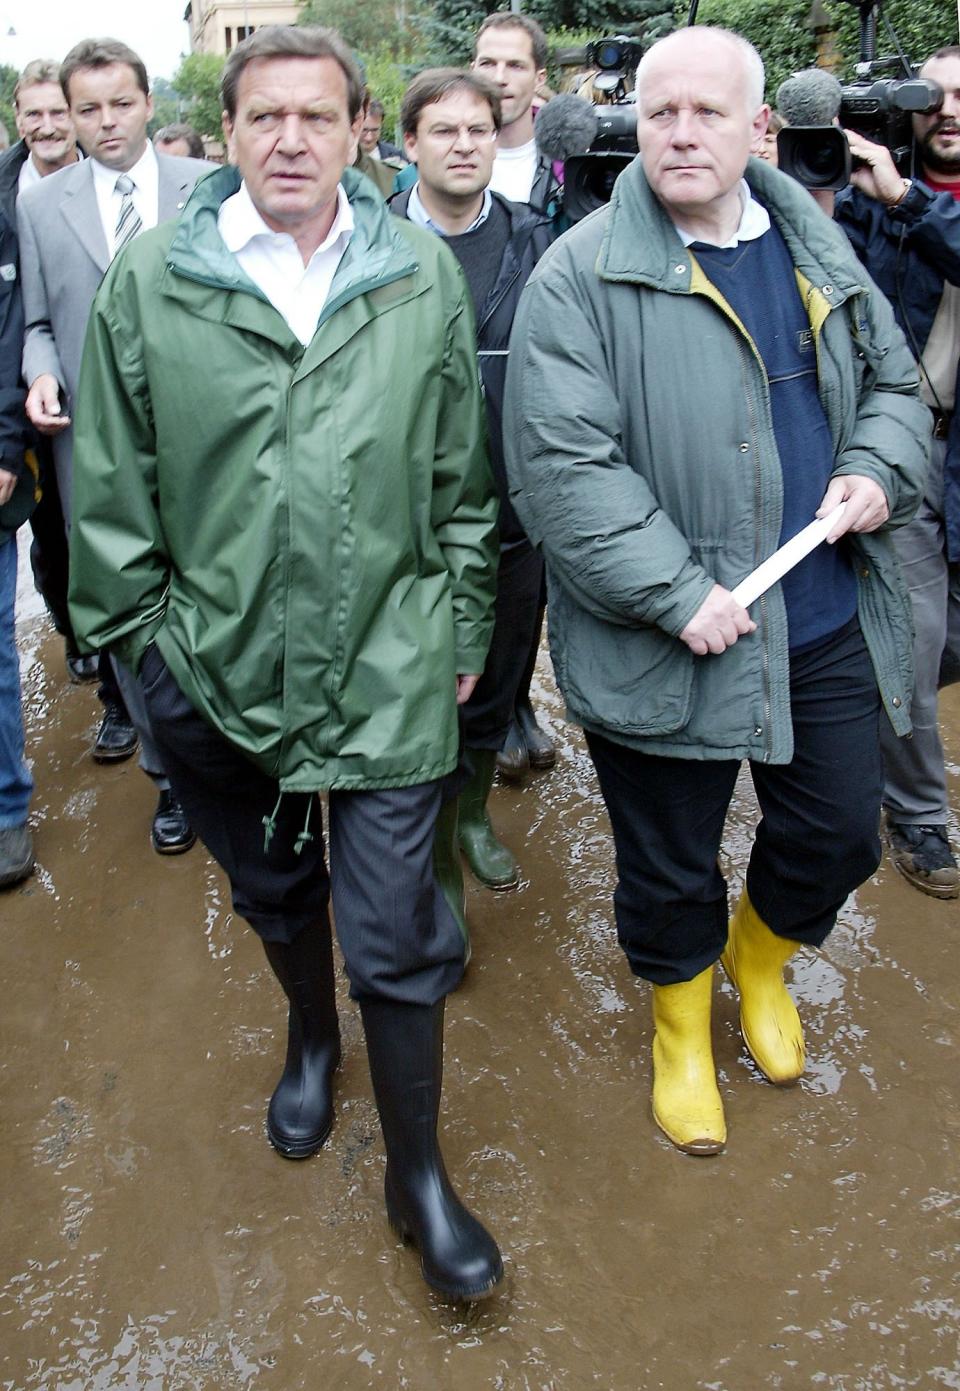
{"x": 151, "y": 1239}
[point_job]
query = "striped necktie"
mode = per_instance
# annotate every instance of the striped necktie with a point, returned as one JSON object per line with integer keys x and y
{"x": 128, "y": 223}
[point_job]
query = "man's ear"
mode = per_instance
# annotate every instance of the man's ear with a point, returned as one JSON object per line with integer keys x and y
{"x": 228, "y": 136}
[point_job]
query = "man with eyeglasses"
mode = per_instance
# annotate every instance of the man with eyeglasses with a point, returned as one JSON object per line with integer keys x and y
{"x": 451, "y": 119}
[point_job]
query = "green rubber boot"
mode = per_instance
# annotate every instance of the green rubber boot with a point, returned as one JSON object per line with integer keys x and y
{"x": 490, "y": 861}
{"x": 448, "y": 869}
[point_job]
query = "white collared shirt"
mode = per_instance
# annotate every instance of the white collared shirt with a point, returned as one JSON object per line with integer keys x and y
{"x": 28, "y": 176}
{"x": 754, "y": 221}
{"x": 418, "y": 214}
{"x": 273, "y": 261}
{"x": 146, "y": 193}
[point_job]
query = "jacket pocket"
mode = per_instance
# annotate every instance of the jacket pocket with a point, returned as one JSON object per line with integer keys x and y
{"x": 638, "y": 681}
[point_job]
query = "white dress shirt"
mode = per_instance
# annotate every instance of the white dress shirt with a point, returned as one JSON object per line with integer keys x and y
{"x": 754, "y": 221}
{"x": 28, "y": 176}
{"x": 273, "y": 261}
{"x": 146, "y": 193}
{"x": 417, "y": 213}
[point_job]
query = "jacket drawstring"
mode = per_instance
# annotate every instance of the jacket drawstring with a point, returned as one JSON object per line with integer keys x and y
{"x": 305, "y": 834}
{"x": 270, "y": 825}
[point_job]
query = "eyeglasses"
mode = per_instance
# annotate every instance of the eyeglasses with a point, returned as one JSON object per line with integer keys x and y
{"x": 447, "y": 136}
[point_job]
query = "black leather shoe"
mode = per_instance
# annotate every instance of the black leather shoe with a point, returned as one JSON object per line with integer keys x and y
{"x": 82, "y": 669}
{"x": 117, "y": 738}
{"x": 171, "y": 833}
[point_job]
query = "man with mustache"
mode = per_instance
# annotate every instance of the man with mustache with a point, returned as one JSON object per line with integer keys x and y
{"x": 907, "y": 234}
{"x": 47, "y": 144}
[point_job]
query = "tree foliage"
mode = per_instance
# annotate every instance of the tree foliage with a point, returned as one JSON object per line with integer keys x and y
{"x": 786, "y": 45}
{"x": 166, "y": 105}
{"x": 921, "y": 27}
{"x": 8, "y": 80}
{"x": 370, "y": 26}
{"x": 198, "y": 81}
{"x": 453, "y": 23}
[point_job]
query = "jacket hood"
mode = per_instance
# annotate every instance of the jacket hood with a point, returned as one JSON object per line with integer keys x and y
{"x": 641, "y": 244}
{"x": 197, "y": 250}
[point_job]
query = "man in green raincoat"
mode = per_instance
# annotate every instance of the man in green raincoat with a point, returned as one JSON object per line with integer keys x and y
{"x": 284, "y": 521}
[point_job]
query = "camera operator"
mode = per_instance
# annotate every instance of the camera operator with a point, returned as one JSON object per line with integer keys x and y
{"x": 907, "y": 234}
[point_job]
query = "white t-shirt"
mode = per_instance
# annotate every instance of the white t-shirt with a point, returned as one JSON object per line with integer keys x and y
{"x": 513, "y": 172}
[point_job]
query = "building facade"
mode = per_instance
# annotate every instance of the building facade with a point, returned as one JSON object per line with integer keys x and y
{"x": 217, "y": 26}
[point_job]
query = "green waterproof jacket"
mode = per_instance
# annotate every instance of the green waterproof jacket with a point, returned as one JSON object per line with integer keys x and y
{"x": 642, "y": 458}
{"x": 308, "y": 534}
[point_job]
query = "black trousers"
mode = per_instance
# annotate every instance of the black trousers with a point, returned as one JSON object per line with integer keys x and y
{"x": 399, "y": 939}
{"x": 817, "y": 841}
{"x": 488, "y": 712}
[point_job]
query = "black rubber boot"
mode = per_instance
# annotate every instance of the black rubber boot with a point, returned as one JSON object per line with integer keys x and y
{"x": 300, "y": 1114}
{"x": 540, "y": 749}
{"x": 458, "y": 1256}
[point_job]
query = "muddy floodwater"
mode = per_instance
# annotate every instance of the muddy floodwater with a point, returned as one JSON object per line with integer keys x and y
{"x": 151, "y": 1240}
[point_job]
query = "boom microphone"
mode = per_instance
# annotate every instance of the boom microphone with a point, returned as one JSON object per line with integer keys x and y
{"x": 565, "y": 126}
{"x": 809, "y": 98}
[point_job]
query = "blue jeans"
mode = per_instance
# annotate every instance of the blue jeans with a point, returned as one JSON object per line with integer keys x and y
{"x": 16, "y": 783}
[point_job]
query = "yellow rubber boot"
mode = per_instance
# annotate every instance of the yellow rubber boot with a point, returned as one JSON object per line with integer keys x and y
{"x": 754, "y": 960}
{"x": 686, "y": 1101}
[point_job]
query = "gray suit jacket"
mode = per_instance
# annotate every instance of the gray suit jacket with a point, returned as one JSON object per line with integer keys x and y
{"x": 63, "y": 257}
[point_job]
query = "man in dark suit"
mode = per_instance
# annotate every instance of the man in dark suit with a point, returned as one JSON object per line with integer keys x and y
{"x": 47, "y": 143}
{"x": 71, "y": 226}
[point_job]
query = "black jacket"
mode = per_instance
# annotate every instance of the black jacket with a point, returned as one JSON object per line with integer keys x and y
{"x": 530, "y": 235}
{"x": 13, "y": 422}
{"x": 910, "y": 250}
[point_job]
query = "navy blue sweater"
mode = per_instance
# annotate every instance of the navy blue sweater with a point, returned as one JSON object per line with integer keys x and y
{"x": 757, "y": 280}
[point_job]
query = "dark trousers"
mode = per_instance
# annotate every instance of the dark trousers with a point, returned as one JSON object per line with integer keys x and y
{"x": 49, "y": 558}
{"x": 50, "y": 563}
{"x": 488, "y": 712}
{"x": 399, "y": 939}
{"x": 817, "y": 840}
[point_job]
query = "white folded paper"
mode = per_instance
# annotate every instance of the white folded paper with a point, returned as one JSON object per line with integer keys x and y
{"x": 776, "y": 566}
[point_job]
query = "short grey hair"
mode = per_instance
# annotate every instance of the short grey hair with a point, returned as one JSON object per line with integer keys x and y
{"x": 292, "y": 41}
{"x": 752, "y": 62}
{"x": 41, "y": 70}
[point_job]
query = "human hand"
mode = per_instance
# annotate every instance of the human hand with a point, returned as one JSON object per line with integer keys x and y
{"x": 876, "y": 175}
{"x": 43, "y": 405}
{"x": 867, "y": 507}
{"x": 717, "y": 623}
{"x": 8, "y": 481}
{"x": 466, "y": 686}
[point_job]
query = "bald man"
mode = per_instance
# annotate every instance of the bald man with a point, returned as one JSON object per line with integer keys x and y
{"x": 696, "y": 372}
